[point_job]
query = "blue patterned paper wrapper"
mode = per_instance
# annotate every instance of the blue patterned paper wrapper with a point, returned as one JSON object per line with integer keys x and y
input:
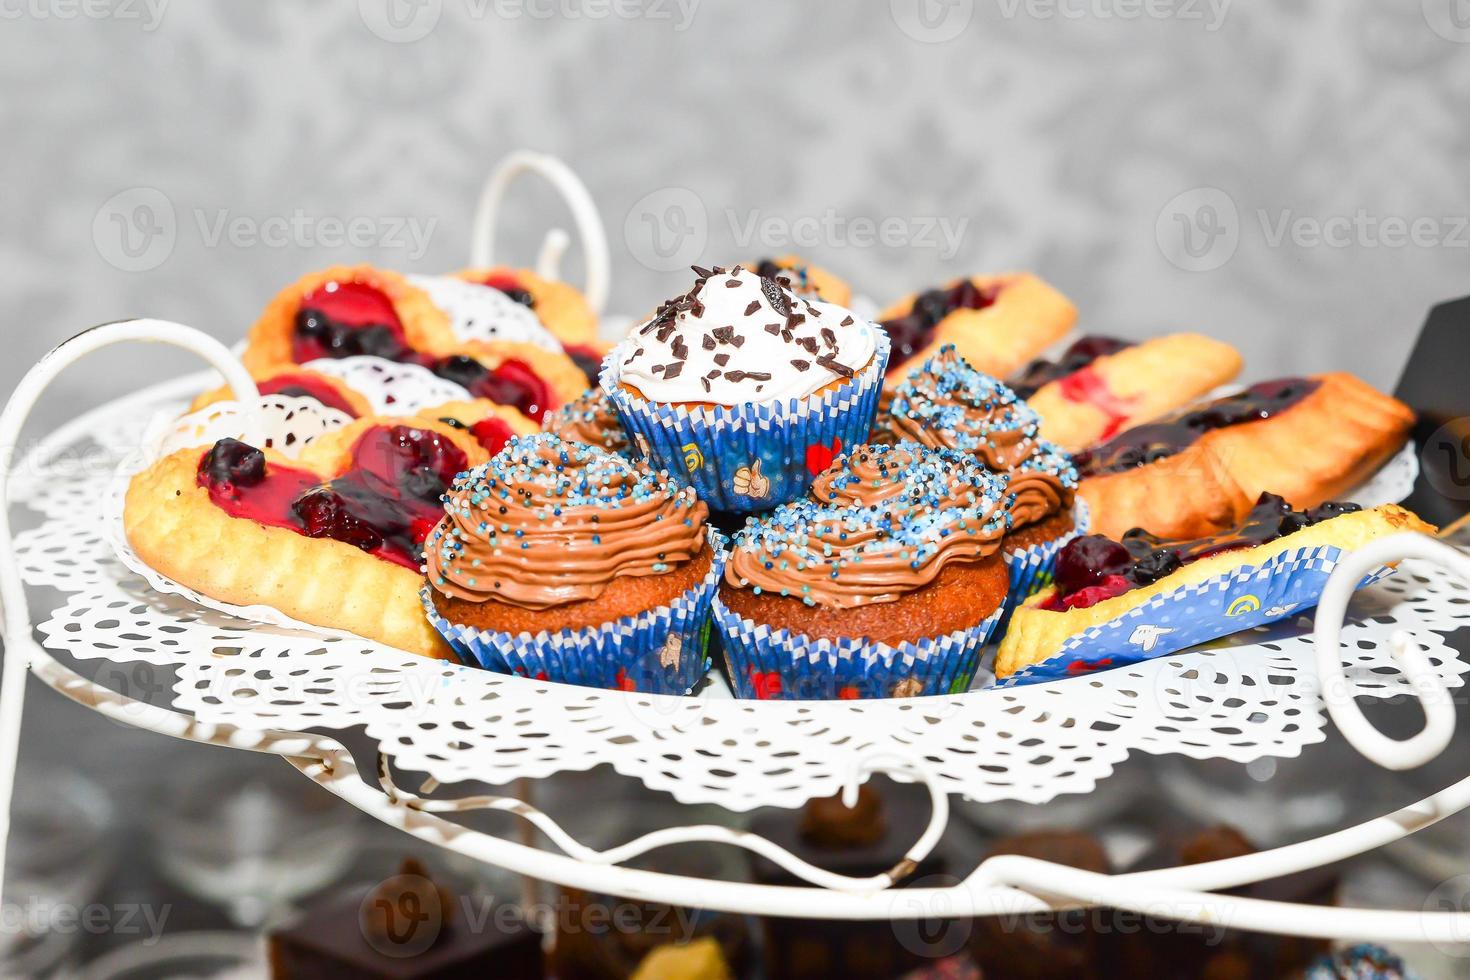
{"x": 1032, "y": 569}
{"x": 767, "y": 664}
{"x": 1243, "y": 598}
{"x": 751, "y": 457}
{"x": 660, "y": 651}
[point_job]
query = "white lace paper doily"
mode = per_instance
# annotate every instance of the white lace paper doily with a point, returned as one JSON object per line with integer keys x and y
{"x": 482, "y": 313}
{"x": 391, "y": 388}
{"x": 1251, "y": 695}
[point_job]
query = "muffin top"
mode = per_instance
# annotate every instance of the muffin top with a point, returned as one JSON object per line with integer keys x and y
{"x": 883, "y": 522}
{"x": 948, "y": 404}
{"x": 737, "y": 337}
{"x": 547, "y": 522}
{"x": 591, "y": 420}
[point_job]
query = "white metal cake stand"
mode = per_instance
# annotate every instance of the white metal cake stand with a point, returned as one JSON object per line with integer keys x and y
{"x": 252, "y": 679}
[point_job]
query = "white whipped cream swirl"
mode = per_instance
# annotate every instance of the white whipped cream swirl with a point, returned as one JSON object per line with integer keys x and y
{"x": 737, "y": 338}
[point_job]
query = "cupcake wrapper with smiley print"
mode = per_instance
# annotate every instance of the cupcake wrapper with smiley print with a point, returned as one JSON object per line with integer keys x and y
{"x": 659, "y": 651}
{"x": 775, "y": 664}
{"x": 752, "y": 457}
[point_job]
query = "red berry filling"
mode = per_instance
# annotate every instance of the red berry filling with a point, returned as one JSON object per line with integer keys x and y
{"x": 1092, "y": 568}
{"x": 1080, "y": 355}
{"x": 350, "y": 319}
{"x": 914, "y": 330}
{"x": 386, "y": 503}
{"x": 1148, "y": 443}
{"x": 307, "y": 386}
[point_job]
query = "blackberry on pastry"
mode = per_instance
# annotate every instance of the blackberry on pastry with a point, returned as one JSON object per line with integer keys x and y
{"x": 1120, "y": 601}
{"x": 1309, "y": 439}
{"x": 1100, "y": 386}
{"x": 334, "y": 538}
{"x": 997, "y": 323}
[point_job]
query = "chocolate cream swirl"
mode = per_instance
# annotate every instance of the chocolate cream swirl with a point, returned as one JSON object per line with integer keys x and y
{"x": 547, "y": 522}
{"x": 947, "y": 403}
{"x": 589, "y": 419}
{"x": 884, "y": 532}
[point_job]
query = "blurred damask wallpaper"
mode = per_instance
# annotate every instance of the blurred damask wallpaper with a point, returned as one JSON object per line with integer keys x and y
{"x": 1290, "y": 174}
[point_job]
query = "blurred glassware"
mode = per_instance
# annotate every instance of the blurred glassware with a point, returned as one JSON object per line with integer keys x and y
{"x": 250, "y": 842}
{"x": 1070, "y": 811}
{"x": 193, "y": 955}
{"x": 57, "y": 859}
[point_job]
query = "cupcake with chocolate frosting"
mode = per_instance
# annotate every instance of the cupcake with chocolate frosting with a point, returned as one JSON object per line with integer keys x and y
{"x": 946, "y": 403}
{"x": 590, "y": 420}
{"x": 746, "y": 389}
{"x": 564, "y": 562}
{"x": 885, "y": 582}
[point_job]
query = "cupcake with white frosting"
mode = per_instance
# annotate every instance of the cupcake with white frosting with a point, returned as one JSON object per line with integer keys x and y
{"x": 746, "y": 389}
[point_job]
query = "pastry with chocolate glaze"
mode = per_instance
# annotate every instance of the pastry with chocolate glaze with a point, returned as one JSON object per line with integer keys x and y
{"x": 1308, "y": 439}
{"x": 1154, "y": 589}
{"x": 333, "y": 538}
{"x": 804, "y": 279}
{"x": 998, "y": 323}
{"x": 946, "y": 403}
{"x": 472, "y": 335}
{"x": 1100, "y": 386}
{"x": 554, "y": 543}
{"x": 898, "y": 548}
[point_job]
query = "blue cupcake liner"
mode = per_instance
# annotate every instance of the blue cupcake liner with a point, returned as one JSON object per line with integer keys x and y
{"x": 1240, "y": 599}
{"x": 716, "y": 449}
{"x": 767, "y": 664}
{"x": 1033, "y": 569}
{"x": 659, "y": 651}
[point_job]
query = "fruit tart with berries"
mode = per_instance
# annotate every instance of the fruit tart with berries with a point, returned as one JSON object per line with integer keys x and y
{"x": 998, "y": 323}
{"x": 805, "y": 280}
{"x": 333, "y": 538}
{"x": 1100, "y": 386}
{"x": 1116, "y": 602}
{"x": 1309, "y": 439}
{"x": 428, "y": 321}
{"x": 559, "y": 307}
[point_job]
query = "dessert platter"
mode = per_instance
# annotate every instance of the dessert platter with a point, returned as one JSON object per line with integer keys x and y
{"x": 751, "y": 552}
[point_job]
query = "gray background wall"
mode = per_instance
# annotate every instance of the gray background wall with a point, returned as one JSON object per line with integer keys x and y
{"x": 1082, "y": 138}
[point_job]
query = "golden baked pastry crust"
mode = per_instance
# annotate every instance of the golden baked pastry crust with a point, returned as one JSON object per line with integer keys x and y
{"x": 425, "y": 326}
{"x": 1187, "y": 495}
{"x": 830, "y": 288}
{"x": 560, "y": 306}
{"x": 360, "y": 404}
{"x": 1037, "y": 634}
{"x": 1140, "y": 383}
{"x": 1028, "y": 316}
{"x": 1318, "y": 449}
{"x": 176, "y": 529}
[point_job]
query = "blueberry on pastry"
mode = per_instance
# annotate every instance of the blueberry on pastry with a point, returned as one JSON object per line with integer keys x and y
{"x": 1308, "y": 439}
{"x": 998, "y": 323}
{"x": 1121, "y": 601}
{"x": 1101, "y": 386}
{"x": 808, "y": 281}
{"x": 364, "y": 311}
{"x": 334, "y": 538}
